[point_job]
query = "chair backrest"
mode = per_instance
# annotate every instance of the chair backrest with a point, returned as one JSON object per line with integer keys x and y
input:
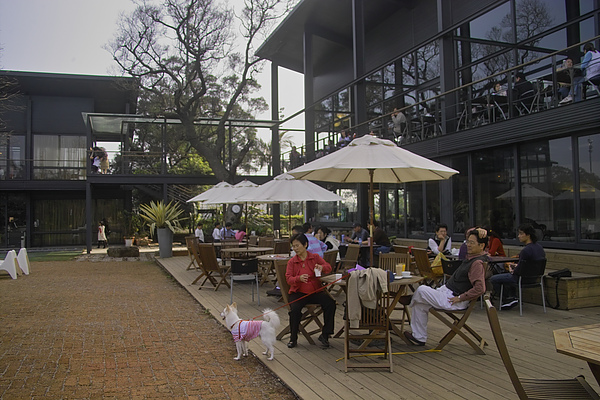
{"x": 450, "y": 266}
{"x": 400, "y": 249}
{"x": 265, "y": 241}
{"x": 388, "y": 261}
{"x": 531, "y": 271}
{"x": 23, "y": 260}
{"x": 331, "y": 257}
{"x": 352, "y": 253}
{"x": 208, "y": 258}
{"x": 422, "y": 261}
{"x": 502, "y": 349}
{"x": 282, "y": 247}
{"x": 253, "y": 240}
{"x": 280, "y": 268}
{"x": 244, "y": 266}
{"x": 190, "y": 242}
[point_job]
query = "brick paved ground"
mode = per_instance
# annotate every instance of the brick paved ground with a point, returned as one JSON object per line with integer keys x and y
{"x": 85, "y": 330}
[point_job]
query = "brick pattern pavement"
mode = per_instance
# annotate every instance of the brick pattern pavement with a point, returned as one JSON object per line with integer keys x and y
{"x": 84, "y": 330}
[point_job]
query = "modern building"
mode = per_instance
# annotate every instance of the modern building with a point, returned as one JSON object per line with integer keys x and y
{"x": 522, "y": 157}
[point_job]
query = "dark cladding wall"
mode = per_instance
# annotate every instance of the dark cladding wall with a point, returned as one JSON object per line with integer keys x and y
{"x": 390, "y": 38}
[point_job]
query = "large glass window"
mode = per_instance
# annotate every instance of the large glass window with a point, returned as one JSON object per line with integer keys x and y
{"x": 12, "y": 157}
{"x": 460, "y": 194}
{"x": 414, "y": 193}
{"x": 59, "y": 157}
{"x": 546, "y": 173}
{"x": 432, "y": 191}
{"x": 589, "y": 188}
{"x": 494, "y": 193}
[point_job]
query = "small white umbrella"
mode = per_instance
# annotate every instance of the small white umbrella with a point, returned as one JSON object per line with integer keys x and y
{"x": 369, "y": 159}
{"x": 285, "y": 187}
{"x": 210, "y": 193}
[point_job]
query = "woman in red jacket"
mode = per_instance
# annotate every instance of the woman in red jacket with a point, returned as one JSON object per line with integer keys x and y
{"x": 495, "y": 246}
{"x": 301, "y": 273}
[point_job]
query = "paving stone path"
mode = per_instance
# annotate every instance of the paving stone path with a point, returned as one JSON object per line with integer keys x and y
{"x": 103, "y": 330}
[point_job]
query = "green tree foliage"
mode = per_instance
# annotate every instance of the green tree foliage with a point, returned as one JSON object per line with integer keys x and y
{"x": 196, "y": 60}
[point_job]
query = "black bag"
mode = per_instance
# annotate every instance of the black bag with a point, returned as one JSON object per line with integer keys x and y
{"x": 562, "y": 273}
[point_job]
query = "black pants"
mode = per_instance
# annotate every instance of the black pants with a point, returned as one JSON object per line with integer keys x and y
{"x": 322, "y": 298}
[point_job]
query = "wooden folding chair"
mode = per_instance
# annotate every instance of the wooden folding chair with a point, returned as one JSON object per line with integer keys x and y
{"x": 266, "y": 241}
{"x": 331, "y": 257}
{"x": 424, "y": 267}
{"x": 388, "y": 262}
{"x": 400, "y": 249}
{"x": 350, "y": 259}
{"x": 456, "y": 320}
{"x": 311, "y": 313}
{"x": 253, "y": 240}
{"x": 191, "y": 242}
{"x": 211, "y": 270}
{"x": 576, "y": 388}
{"x": 373, "y": 325}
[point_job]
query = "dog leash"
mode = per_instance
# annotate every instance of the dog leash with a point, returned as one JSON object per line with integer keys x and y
{"x": 306, "y": 295}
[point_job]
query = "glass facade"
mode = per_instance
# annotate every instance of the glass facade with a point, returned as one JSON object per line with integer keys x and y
{"x": 59, "y": 157}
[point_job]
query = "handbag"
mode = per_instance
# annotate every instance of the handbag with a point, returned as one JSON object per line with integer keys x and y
{"x": 561, "y": 273}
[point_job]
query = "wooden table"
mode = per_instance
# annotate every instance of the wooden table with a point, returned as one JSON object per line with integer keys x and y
{"x": 395, "y": 289}
{"x": 581, "y": 342}
{"x": 239, "y": 251}
{"x": 271, "y": 271}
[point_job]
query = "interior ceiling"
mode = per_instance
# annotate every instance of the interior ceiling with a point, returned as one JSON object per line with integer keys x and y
{"x": 330, "y": 20}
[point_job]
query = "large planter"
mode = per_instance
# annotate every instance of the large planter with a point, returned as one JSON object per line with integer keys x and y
{"x": 165, "y": 242}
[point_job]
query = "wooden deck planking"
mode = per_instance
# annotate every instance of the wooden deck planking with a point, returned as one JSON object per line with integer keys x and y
{"x": 455, "y": 373}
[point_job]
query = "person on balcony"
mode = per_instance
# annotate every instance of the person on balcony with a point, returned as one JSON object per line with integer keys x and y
{"x": 590, "y": 67}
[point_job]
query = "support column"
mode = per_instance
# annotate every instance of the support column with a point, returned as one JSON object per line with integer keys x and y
{"x": 359, "y": 92}
{"x": 447, "y": 68}
{"x": 275, "y": 143}
{"x": 309, "y": 114}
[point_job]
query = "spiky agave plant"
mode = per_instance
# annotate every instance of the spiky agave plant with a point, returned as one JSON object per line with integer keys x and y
{"x": 159, "y": 215}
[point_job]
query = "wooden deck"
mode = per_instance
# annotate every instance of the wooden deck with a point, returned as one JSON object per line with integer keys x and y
{"x": 454, "y": 373}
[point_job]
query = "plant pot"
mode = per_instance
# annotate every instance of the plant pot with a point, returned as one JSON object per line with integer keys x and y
{"x": 128, "y": 242}
{"x": 165, "y": 242}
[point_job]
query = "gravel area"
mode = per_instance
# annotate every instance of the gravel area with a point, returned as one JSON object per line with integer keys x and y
{"x": 102, "y": 330}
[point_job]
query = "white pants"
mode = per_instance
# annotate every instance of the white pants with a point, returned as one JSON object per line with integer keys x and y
{"x": 424, "y": 298}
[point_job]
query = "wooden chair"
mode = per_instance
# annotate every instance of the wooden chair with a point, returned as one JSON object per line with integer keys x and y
{"x": 311, "y": 313}
{"x": 400, "y": 249}
{"x": 191, "y": 242}
{"x": 266, "y": 241}
{"x": 456, "y": 320}
{"x": 576, "y": 388}
{"x": 373, "y": 325}
{"x": 267, "y": 267}
{"x": 331, "y": 257}
{"x": 253, "y": 240}
{"x": 211, "y": 270}
{"x": 531, "y": 274}
{"x": 424, "y": 267}
{"x": 282, "y": 247}
{"x": 350, "y": 259}
{"x": 388, "y": 262}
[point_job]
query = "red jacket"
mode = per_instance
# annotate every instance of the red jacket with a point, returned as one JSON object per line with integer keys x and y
{"x": 297, "y": 267}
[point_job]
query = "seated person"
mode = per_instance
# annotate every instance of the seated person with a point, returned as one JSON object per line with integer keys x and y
{"x": 399, "y": 121}
{"x": 466, "y": 284}
{"x": 241, "y": 234}
{"x": 345, "y": 139}
{"x": 495, "y": 245}
{"x": 531, "y": 251}
{"x": 462, "y": 251}
{"x": 325, "y": 236}
{"x": 314, "y": 245}
{"x": 227, "y": 232}
{"x": 380, "y": 238}
{"x": 440, "y": 242}
{"x": 566, "y": 89}
{"x": 498, "y": 90}
{"x": 523, "y": 90}
{"x": 300, "y": 274}
{"x": 359, "y": 235}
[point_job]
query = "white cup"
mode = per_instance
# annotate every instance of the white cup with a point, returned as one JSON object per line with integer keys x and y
{"x": 338, "y": 276}
{"x": 317, "y": 272}
{"x": 405, "y": 273}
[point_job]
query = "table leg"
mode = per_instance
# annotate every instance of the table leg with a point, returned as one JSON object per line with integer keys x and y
{"x": 595, "y": 368}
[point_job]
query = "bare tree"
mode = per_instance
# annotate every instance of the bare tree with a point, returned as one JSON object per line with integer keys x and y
{"x": 184, "y": 52}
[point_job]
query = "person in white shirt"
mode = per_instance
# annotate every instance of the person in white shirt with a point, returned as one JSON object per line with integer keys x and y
{"x": 217, "y": 232}
{"x": 441, "y": 242}
{"x": 199, "y": 233}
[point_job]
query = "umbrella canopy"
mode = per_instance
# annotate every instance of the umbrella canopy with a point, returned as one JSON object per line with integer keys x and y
{"x": 369, "y": 159}
{"x": 388, "y": 163}
{"x": 285, "y": 187}
{"x": 210, "y": 193}
{"x": 527, "y": 191}
{"x": 232, "y": 194}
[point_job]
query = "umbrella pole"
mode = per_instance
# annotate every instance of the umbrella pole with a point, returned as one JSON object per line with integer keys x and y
{"x": 371, "y": 205}
{"x": 290, "y": 218}
{"x": 246, "y": 223}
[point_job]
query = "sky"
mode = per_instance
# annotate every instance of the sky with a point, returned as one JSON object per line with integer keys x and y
{"x": 67, "y": 36}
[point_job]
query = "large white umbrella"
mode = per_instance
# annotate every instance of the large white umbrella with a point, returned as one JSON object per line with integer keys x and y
{"x": 285, "y": 187}
{"x": 369, "y": 159}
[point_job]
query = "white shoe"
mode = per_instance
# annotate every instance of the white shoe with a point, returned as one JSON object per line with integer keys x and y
{"x": 566, "y": 100}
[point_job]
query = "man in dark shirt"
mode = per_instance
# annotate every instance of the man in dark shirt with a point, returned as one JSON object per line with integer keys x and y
{"x": 380, "y": 238}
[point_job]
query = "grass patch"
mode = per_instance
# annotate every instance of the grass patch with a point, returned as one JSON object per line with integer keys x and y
{"x": 53, "y": 255}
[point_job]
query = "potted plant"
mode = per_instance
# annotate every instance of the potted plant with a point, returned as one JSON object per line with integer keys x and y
{"x": 165, "y": 218}
{"x": 132, "y": 222}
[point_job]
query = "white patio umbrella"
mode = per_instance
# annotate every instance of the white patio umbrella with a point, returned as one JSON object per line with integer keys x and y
{"x": 285, "y": 187}
{"x": 369, "y": 159}
{"x": 210, "y": 193}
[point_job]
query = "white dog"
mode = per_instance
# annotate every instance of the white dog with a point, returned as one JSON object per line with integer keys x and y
{"x": 244, "y": 331}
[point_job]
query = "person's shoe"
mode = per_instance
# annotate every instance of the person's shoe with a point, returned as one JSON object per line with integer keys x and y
{"x": 408, "y": 335}
{"x": 510, "y": 303}
{"x": 324, "y": 340}
{"x": 292, "y": 344}
{"x": 566, "y": 100}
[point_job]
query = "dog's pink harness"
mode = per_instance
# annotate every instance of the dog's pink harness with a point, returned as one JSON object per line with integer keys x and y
{"x": 245, "y": 330}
